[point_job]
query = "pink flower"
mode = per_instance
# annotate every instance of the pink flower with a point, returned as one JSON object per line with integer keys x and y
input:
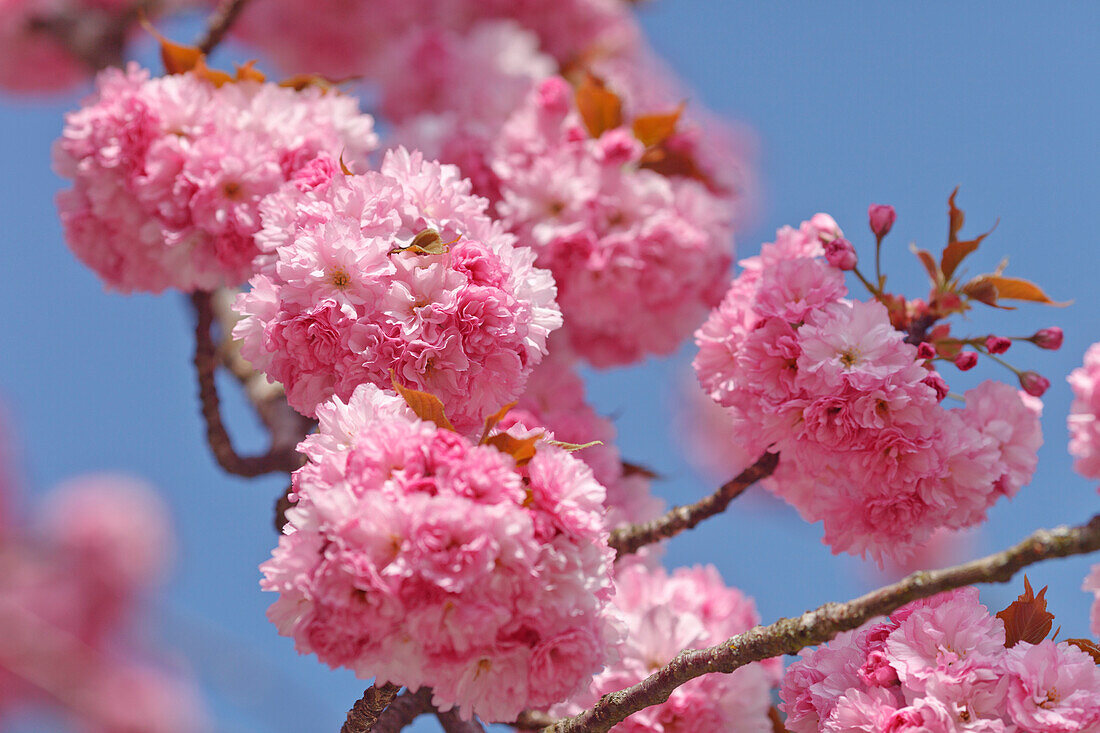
{"x": 168, "y": 172}
{"x": 343, "y": 300}
{"x": 663, "y": 613}
{"x": 1084, "y": 415}
{"x": 1011, "y": 419}
{"x": 812, "y": 686}
{"x": 841, "y": 254}
{"x": 881, "y": 218}
{"x": 1092, "y": 583}
{"x": 1052, "y": 687}
{"x": 415, "y": 556}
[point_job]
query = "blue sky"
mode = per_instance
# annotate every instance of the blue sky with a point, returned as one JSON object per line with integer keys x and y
{"x": 851, "y": 103}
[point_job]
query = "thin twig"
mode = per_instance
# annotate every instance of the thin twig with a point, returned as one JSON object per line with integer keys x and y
{"x": 788, "y": 635}
{"x": 280, "y": 457}
{"x": 453, "y": 724}
{"x": 365, "y": 712}
{"x": 626, "y": 540}
{"x": 403, "y": 711}
{"x": 219, "y": 23}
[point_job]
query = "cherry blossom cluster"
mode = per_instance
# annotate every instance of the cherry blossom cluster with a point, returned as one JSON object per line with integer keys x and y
{"x": 1084, "y": 415}
{"x": 853, "y": 409}
{"x": 418, "y": 557}
{"x": 639, "y": 253}
{"x": 168, "y": 172}
{"x": 664, "y": 614}
{"x": 359, "y": 37}
{"x": 68, "y": 593}
{"x": 941, "y": 665}
{"x": 394, "y": 274}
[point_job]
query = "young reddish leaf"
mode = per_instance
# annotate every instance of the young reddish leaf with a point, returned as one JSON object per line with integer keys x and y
{"x": 1027, "y": 618}
{"x": 572, "y": 447}
{"x": 492, "y": 420}
{"x": 955, "y": 218}
{"x": 955, "y": 252}
{"x": 344, "y": 166}
{"x": 634, "y": 469}
{"x": 929, "y": 263}
{"x": 521, "y": 449}
{"x": 427, "y": 242}
{"x": 177, "y": 58}
{"x": 1088, "y": 647}
{"x": 1014, "y": 288}
{"x": 298, "y": 82}
{"x": 983, "y": 290}
{"x": 656, "y": 128}
{"x": 600, "y": 108}
{"x": 671, "y": 163}
{"x": 426, "y": 406}
{"x": 248, "y": 72}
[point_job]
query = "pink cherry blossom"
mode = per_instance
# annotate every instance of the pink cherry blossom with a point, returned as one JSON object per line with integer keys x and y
{"x": 663, "y": 613}
{"x": 342, "y": 300}
{"x": 1092, "y": 583}
{"x": 415, "y": 556}
{"x": 1052, "y": 687}
{"x": 1084, "y": 415}
{"x": 168, "y": 172}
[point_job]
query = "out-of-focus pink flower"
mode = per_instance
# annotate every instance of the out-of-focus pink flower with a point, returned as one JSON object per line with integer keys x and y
{"x": 1092, "y": 584}
{"x": 663, "y": 614}
{"x": 1084, "y": 415}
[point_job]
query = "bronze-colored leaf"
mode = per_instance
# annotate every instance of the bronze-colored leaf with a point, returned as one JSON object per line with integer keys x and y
{"x": 1014, "y": 288}
{"x": 600, "y": 108}
{"x": 955, "y": 252}
{"x": 425, "y": 405}
{"x": 344, "y": 166}
{"x": 670, "y": 162}
{"x": 928, "y": 261}
{"x": 249, "y": 72}
{"x": 521, "y": 449}
{"x": 217, "y": 77}
{"x": 636, "y": 469}
{"x": 983, "y": 290}
{"x": 176, "y": 57}
{"x": 1027, "y": 618}
{"x": 427, "y": 242}
{"x": 654, "y": 129}
{"x": 492, "y": 420}
{"x": 1088, "y": 647}
{"x": 955, "y": 218}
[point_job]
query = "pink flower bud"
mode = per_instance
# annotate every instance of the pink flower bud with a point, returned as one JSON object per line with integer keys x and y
{"x": 553, "y": 95}
{"x": 1034, "y": 384}
{"x": 1048, "y": 338}
{"x": 926, "y": 351}
{"x": 997, "y": 344}
{"x": 840, "y": 253}
{"x": 619, "y": 147}
{"x": 935, "y": 381}
{"x": 882, "y": 218}
{"x": 966, "y": 360}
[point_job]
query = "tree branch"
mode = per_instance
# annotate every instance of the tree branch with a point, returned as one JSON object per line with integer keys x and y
{"x": 366, "y": 711}
{"x": 219, "y": 23}
{"x": 788, "y": 635}
{"x": 532, "y": 720}
{"x": 453, "y": 724}
{"x": 401, "y": 712}
{"x": 626, "y": 540}
{"x": 280, "y": 457}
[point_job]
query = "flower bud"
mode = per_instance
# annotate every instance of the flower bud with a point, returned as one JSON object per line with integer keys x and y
{"x": 1048, "y": 338}
{"x": 881, "y": 217}
{"x": 1034, "y": 384}
{"x": 966, "y": 360}
{"x": 997, "y": 344}
{"x": 926, "y": 351}
{"x": 840, "y": 253}
{"x": 935, "y": 381}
